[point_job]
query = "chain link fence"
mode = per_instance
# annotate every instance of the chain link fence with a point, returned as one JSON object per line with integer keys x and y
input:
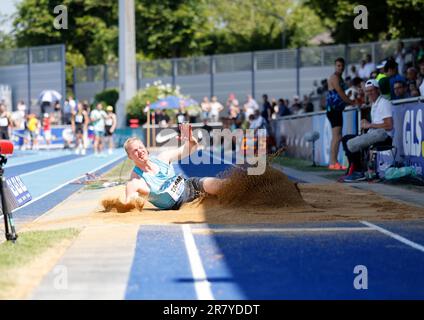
{"x": 254, "y": 69}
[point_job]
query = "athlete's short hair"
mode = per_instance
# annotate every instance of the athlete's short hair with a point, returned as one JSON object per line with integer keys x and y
{"x": 129, "y": 141}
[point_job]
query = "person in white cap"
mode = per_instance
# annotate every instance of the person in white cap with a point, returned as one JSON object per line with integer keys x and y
{"x": 380, "y": 131}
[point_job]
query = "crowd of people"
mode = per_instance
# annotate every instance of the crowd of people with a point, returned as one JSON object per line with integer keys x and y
{"x": 372, "y": 85}
{"x": 76, "y": 118}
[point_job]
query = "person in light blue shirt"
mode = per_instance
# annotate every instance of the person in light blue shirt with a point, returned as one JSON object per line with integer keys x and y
{"x": 154, "y": 176}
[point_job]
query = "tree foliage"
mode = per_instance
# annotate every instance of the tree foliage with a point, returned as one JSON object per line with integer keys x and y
{"x": 388, "y": 19}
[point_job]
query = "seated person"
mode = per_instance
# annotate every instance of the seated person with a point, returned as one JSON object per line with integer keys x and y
{"x": 382, "y": 118}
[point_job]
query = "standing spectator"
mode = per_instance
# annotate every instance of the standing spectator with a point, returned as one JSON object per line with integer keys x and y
{"x": 232, "y": 101}
{"x": 353, "y": 72}
{"x": 110, "y": 126}
{"x": 56, "y": 116}
{"x": 161, "y": 118}
{"x": 308, "y": 106}
{"x": 97, "y": 117}
{"x": 420, "y": 76}
{"x": 33, "y": 127}
{"x": 283, "y": 110}
{"x": 266, "y": 109}
{"x": 18, "y": 116}
{"x": 296, "y": 106}
{"x": 79, "y": 124}
{"x": 369, "y": 66}
{"x": 250, "y": 106}
{"x": 69, "y": 109}
{"x": 391, "y": 70}
{"x": 47, "y": 129}
{"x": 336, "y": 103}
{"x": 206, "y": 108}
{"x": 216, "y": 108}
{"x": 400, "y": 57}
{"x": 362, "y": 72}
{"x": 5, "y": 122}
{"x": 182, "y": 115}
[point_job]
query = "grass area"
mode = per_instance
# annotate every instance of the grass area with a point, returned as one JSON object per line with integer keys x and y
{"x": 28, "y": 246}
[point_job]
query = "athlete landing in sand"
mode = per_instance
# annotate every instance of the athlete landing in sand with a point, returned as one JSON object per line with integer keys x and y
{"x": 155, "y": 177}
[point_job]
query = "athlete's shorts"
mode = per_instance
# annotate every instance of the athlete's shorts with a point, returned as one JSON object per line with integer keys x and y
{"x": 108, "y": 133}
{"x": 4, "y": 134}
{"x": 193, "y": 189}
{"x": 99, "y": 133}
{"x": 335, "y": 117}
{"x": 79, "y": 129}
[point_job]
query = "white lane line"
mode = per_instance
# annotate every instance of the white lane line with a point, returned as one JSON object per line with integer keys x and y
{"x": 283, "y": 230}
{"x": 64, "y": 184}
{"x": 394, "y": 236}
{"x": 201, "y": 283}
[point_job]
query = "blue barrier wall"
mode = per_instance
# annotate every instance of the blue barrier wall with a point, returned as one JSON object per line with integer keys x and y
{"x": 291, "y": 130}
{"x": 409, "y": 133}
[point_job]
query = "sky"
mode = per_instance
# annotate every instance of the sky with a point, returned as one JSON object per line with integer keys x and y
{"x": 7, "y": 7}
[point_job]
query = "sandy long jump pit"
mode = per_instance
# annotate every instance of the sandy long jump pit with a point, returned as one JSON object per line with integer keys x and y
{"x": 268, "y": 198}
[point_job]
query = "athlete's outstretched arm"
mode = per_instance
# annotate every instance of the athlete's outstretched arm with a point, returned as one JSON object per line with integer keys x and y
{"x": 185, "y": 150}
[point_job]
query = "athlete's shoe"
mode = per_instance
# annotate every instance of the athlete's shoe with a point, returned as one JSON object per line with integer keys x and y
{"x": 336, "y": 166}
{"x": 77, "y": 151}
{"x": 355, "y": 177}
{"x": 110, "y": 151}
{"x": 83, "y": 152}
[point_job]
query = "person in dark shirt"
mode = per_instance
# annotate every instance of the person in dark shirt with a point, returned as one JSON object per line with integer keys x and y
{"x": 266, "y": 110}
{"x": 283, "y": 110}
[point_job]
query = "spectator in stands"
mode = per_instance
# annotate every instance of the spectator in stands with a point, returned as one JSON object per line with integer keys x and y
{"x": 336, "y": 103}
{"x": 216, "y": 108}
{"x": 362, "y": 72}
{"x": 369, "y": 66}
{"x": 274, "y": 108}
{"x": 400, "y": 90}
{"x": 296, "y": 106}
{"x": 400, "y": 57}
{"x": 250, "y": 106}
{"x": 232, "y": 102}
{"x": 256, "y": 121}
{"x": 391, "y": 70}
{"x": 382, "y": 118}
{"x": 266, "y": 110}
{"x": 353, "y": 72}
{"x": 411, "y": 74}
{"x": 162, "y": 118}
{"x": 206, "y": 108}
{"x": 420, "y": 77}
{"x": 182, "y": 115}
{"x": 283, "y": 110}
{"x": 308, "y": 106}
{"x": 413, "y": 90}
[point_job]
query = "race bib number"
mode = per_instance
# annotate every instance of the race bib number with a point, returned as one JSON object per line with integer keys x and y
{"x": 4, "y": 122}
{"x": 79, "y": 118}
{"x": 175, "y": 188}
